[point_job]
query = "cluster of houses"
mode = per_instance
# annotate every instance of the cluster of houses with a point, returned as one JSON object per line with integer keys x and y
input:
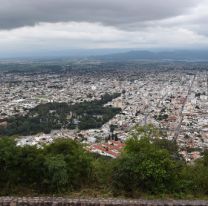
{"x": 173, "y": 100}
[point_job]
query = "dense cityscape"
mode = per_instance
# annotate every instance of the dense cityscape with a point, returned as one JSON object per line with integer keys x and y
{"x": 103, "y": 102}
{"x": 170, "y": 96}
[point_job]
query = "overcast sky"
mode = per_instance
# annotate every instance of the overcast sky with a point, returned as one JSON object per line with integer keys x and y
{"x": 46, "y": 26}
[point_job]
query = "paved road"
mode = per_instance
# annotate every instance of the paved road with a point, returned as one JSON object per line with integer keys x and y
{"x": 177, "y": 131}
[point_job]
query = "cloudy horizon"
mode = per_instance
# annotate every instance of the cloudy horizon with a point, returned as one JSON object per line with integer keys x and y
{"x": 43, "y": 27}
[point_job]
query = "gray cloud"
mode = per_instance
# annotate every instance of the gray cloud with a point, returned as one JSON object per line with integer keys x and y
{"x": 118, "y": 13}
{"x": 50, "y": 27}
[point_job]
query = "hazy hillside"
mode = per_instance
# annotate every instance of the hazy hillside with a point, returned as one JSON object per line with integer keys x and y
{"x": 164, "y": 55}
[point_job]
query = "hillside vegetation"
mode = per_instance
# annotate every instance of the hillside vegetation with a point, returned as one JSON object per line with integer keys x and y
{"x": 146, "y": 167}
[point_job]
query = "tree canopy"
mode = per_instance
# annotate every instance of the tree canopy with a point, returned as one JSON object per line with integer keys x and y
{"x": 147, "y": 165}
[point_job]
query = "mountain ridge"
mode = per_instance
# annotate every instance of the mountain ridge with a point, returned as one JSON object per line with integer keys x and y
{"x": 201, "y": 55}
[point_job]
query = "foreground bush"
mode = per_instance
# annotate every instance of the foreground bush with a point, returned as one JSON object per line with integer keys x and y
{"x": 61, "y": 166}
{"x": 145, "y": 167}
{"x": 148, "y": 165}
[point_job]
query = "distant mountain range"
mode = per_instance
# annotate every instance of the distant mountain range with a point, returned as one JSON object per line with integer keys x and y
{"x": 195, "y": 55}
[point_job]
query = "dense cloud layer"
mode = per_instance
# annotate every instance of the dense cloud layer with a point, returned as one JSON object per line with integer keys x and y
{"x": 121, "y": 13}
{"x": 59, "y": 26}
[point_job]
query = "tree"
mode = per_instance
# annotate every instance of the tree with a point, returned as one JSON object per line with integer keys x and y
{"x": 55, "y": 174}
{"x": 102, "y": 172}
{"x": 144, "y": 167}
{"x": 62, "y": 166}
{"x": 197, "y": 176}
{"x": 77, "y": 160}
{"x": 30, "y": 167}
{"x": 171, "y": 146}
{"x": 8, "y": 163}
